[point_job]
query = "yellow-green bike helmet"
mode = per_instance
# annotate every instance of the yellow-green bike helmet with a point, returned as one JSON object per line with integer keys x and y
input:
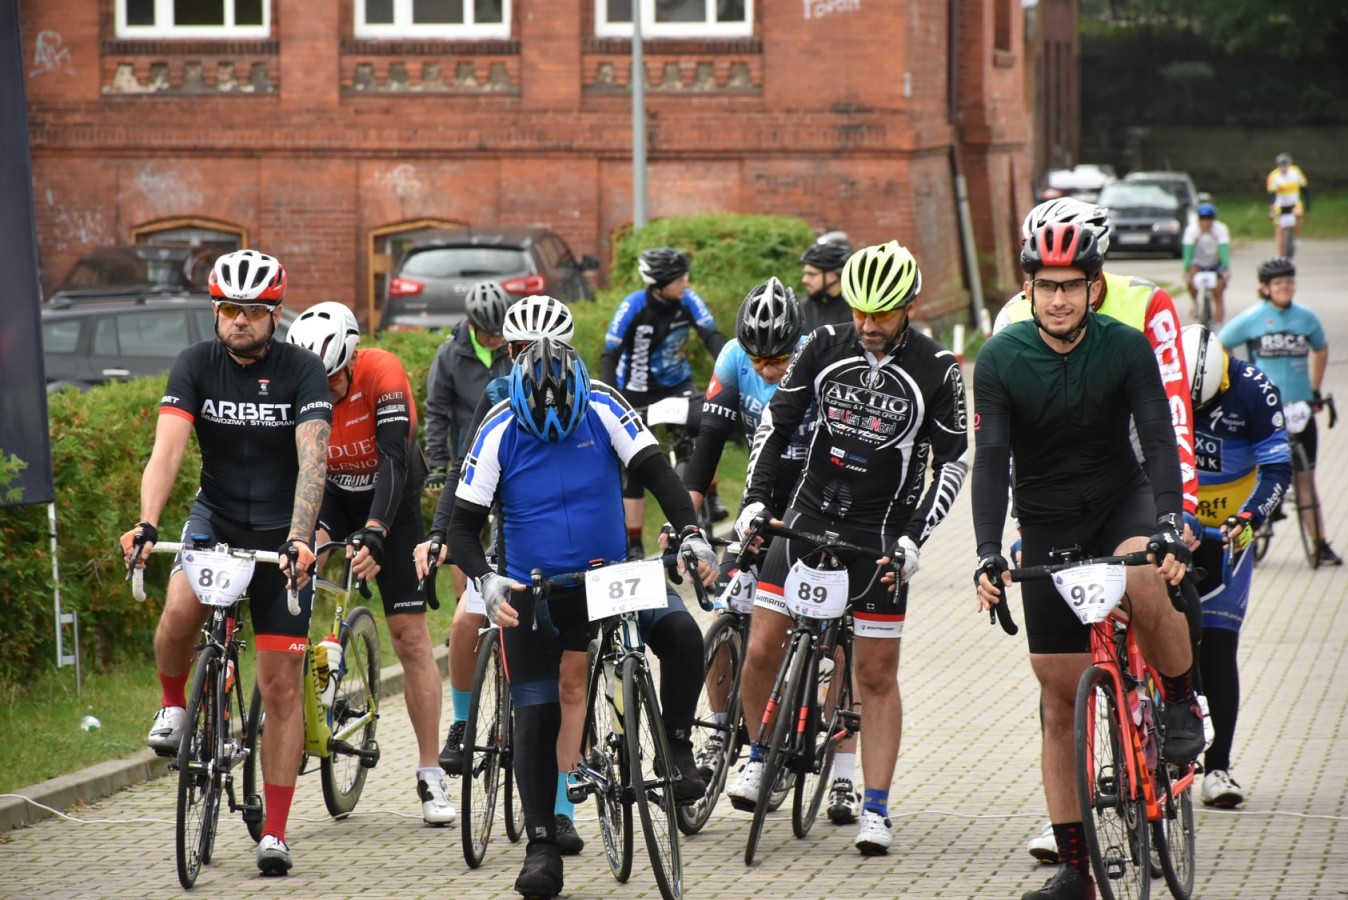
{"x": 881, "y": 279}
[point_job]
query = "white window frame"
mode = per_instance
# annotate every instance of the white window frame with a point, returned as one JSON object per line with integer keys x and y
{"x": 650, "y": 29}
{"x": 403, "y": 27}
{"x": 163, "y": 17}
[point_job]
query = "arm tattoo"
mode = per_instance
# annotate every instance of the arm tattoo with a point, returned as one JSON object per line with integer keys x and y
{"x": 311, "y": 442}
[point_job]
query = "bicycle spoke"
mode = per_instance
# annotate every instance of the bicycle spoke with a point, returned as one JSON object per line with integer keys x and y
{"x": 483, "y": 742}
{"x": 652, "y": 774}
{"x": 715, "y": 723}
{"x": 356, "y": 700}
{"x": 197, "y": 777}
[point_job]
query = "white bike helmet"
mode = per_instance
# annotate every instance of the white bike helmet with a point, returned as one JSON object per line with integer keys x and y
{"x": 248, "y": 275}
{"x": 1069, "y": 211}
{"x": 330, "y": 330}
{"x": 538, "y": 316}
{"x": 1206, "y": 361}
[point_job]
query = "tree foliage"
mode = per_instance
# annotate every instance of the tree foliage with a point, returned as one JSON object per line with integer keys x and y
{"x": 1292, "y": 31}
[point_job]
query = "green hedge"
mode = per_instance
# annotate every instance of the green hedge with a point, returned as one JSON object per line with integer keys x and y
{"x": 101, "y": 440}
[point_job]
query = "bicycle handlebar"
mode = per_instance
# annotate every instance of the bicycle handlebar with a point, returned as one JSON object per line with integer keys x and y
{"x": 1038, "y": 573}
{"x": 137, "y": 576}
{"x": 1327, "y": 402}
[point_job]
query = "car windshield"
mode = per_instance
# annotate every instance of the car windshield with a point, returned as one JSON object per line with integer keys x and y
{"x": 464, "y": 262}
{"x": 1129, "y": 195}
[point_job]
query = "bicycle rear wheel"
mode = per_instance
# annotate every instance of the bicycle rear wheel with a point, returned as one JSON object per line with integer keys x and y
{"x": 1113, "y": 812}
{"x": 198, "y": 780}
{"x": 514, "y": 812}
{"x": 357, "y": 698}
{"x": 603, "y": 753}
{"x": 484, "y": 741}
{"x": 1307, "y": 506}
{"x": 834, "y": 693}
{"x": 716, "y": 722}
{"x": 652, "y": 773}
{"x": 1259, "y": 543}
{"x": 1173, "y": 834}
{"x": 781, "y": 753}
{"x": 255, "y": 813}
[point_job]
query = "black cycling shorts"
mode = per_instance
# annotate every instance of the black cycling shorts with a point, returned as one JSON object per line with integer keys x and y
{"x": 344, "y": 513}
{"x": 267, "y": 590}
{"x": 876, "y": 611}
{"x": 1051, "y": 626}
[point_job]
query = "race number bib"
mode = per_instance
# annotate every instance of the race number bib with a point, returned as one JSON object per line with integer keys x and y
{"x": 625, "y": 587}
{"x": 473, "y": 598}
{"x": 1287, "y": 219}
{"x": 1205, "y": 279}
{"x": 219, "y": 579}
{"x": 1092, "y": 592}
{"x": 739, "y": 594}
{"x": 669, "y": 411}
{"x": 815, "y": 593}
{"x": 1298, "y": 416}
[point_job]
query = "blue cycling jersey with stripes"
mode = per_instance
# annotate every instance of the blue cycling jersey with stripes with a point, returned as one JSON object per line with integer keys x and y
{"x": 649, "y": 340}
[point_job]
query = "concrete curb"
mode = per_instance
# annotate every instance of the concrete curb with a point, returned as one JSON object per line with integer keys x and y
{"x": 106, "y": 778}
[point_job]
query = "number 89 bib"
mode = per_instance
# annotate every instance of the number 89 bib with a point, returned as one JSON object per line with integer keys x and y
{"x": 815, "y": 593}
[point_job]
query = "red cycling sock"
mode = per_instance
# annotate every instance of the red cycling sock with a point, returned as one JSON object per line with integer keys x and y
{"x": 277, "y": 800}
{"x": 634, "y": 535}
{"x": 174, "y": 689}
{"x": 1178, "y": 688}
{"x": 1071, "y": 838}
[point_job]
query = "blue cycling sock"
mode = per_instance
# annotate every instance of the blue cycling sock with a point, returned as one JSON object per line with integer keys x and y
{"x": 876, "y": 802}
{"x": 463, "y": 701}
{"x": 757, "y": 752}
{"x": 563, "y": 806}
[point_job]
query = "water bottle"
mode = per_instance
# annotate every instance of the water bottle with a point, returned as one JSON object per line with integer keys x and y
{"x": 614, "y": 690}
{"x": 328, "y": 665}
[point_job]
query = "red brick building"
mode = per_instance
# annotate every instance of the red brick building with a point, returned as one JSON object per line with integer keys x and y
{"x": 327, "y": 131}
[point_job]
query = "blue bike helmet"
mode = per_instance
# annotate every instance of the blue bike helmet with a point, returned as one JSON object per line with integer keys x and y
{"x": 549, "y": 389}
{"x": 1207, "y": 211}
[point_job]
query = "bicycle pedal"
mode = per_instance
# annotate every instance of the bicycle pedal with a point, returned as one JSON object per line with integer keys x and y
{"x": 252, "y": 811}
{"x": 369, "y": 756}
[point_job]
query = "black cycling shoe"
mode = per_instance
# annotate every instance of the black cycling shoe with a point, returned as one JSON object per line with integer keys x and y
{"x": 689, "y": 786}
{"x": 636, "y": 550}
{"x": 568, "y": 841}
{"x": 1183, "y": 731}
{"x": 1327, "y": 555}
{"x": 718, "y": 510}
{"x": 540, "y": 877}
{"x": 1066, "y": 884}
{"x": 451, "y": 756}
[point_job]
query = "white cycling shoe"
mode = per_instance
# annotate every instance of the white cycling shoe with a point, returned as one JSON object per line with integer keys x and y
{"x": 435, "y": 806}
{"x": 166, "y": 731}
{"x": 748, "y": 785}
{"x": 873, "y": 834}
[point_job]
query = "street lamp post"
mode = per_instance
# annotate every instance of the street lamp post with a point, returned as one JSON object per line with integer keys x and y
{"x": 638, "y": 81}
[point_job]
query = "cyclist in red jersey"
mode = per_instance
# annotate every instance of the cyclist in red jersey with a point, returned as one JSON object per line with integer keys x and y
{"x": 373, "y": 490}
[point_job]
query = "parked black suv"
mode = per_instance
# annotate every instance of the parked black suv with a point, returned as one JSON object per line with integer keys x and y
{"x": 96, "y": 341}
{"x": 429, "y": 285}
{"x": 135, "y": 270}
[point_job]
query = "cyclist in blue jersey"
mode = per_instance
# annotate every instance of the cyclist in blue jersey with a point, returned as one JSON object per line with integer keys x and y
{"x": 526, "y": 321}
{"x": 261, "y": 413}
{"x": 1244, "y": 465}
{"x": 644, "y": 355}
{"x": 552, "y": 458}
{"x": 1287, "y": 341}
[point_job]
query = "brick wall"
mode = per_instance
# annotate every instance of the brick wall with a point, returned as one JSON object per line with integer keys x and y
{"x": 837, "y": 111}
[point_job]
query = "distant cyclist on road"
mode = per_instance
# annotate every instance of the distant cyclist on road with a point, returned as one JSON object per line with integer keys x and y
{"x": 644, "y": 356}
{"x": 1055, "y": 395}
{"x": 1207, "y": 248}
{"x": 1244, "y": 465}
{"x": 1289, "y": 194}
{"x": 552, "y": 457}
{"x": 888, "y": 402}
{"x": 1287, "y": 341}
{"x": 373, "y": 491}
{"x": 261, "y": 414}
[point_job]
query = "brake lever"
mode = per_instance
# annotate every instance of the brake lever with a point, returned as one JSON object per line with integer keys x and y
{"x": 1000, "y": 613}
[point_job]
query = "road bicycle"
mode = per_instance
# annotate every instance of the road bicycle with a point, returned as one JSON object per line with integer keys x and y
{"x": 1305, "y": 497}
{"x": 625, "y": 758}
{"x": 1285, "y": 227}
{"x": 810, "y": 710}
{"x": 668, "y": 420}
{"x": 1205, "y": 283}
{"x": 1131, "y": 799}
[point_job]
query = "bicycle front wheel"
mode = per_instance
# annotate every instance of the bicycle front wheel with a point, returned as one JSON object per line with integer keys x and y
{"x": 254, "y": 813}
{"x": 198, "y": 779}
{"x": 828, "y": 730}
{"x": 484, "y": 741}
{"x": 603, "y": 754}
{"x": 1173, "y": 833}
{"x": 652, "y": 773}
{"x": 780, "y": 751}
{"x": 1113, "y": 810}
{"x": 716, "y": 722}
{"x": 514, "y": 811}
{"x": 356, "y": 700}
{"x": 1307, "y": 505}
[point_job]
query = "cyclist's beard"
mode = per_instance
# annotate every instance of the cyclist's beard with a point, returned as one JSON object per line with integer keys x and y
{"x": 820, "y": 296}
{"x": 1066, "y": 339}
{"x": 253, "y": 349}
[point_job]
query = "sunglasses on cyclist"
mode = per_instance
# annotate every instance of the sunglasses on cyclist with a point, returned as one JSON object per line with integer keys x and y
{"x": 253, "y": 311}
{"x": 777, "y": 360}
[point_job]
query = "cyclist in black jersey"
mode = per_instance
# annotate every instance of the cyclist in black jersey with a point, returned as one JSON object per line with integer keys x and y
{"x": 1054, "y": 394}
{"x": 644, "y": 357}
{"x": 261, "y": 413}
{"x": 888, "y": 401}
{"x": 821, "y": 274}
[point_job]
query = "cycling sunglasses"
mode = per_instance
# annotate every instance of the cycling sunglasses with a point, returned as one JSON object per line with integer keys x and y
{"x": 253, "y": 311}
{"x": 777, "y": 360}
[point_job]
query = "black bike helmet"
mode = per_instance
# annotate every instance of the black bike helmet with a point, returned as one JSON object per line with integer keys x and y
{"x": 826, "y": 256}
{"x": 549, "y": 390}
{"x": 1276, "y": 267}
{"x": 486, "y": 306}
{"x": 1063, "y": 245}
{"x": 769, "y": 320}
{"x": 661, "y": 265}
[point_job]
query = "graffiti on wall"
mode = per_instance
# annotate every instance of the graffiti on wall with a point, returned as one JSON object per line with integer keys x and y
{"x": 402, "y": 181}
{"x": 51, "y": 55}
{"x": 817, "y": 9}
{"x": 169, "y": 193}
